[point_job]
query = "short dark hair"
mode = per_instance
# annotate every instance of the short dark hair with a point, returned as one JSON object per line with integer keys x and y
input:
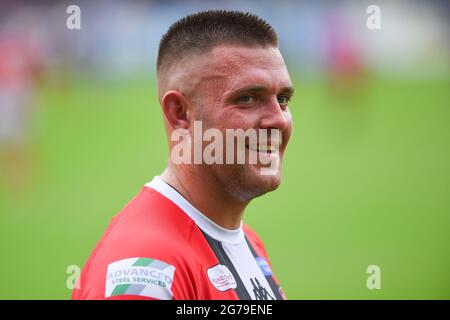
{"x": 202, "y": 31}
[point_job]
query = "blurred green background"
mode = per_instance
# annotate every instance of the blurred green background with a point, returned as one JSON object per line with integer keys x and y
{"x": 366, "y": 181}
{"x": 361, "y": 186}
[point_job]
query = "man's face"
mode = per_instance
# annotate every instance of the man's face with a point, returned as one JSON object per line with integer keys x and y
{"x": 244, "y": 88}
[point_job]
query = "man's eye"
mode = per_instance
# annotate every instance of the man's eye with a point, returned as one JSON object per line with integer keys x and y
{"x": 283, "y": 101}
{"x": 246, "y": 99}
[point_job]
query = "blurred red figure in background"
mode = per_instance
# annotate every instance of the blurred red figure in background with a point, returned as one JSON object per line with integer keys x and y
{"x": 19, "y": 72}
{"x": 346, "y": 69}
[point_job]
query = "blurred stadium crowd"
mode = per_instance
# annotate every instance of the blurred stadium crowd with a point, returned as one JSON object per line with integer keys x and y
{"x": 122, "y": 37}
{"x": 118, "y": 40}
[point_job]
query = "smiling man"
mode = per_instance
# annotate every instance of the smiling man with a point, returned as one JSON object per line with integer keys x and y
{"x": 182, "y": 236}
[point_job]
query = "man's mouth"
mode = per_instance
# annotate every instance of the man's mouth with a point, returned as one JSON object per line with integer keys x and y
{"x": 262, "y": 148}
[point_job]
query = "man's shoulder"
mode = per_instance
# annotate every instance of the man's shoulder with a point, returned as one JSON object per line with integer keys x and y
{"x": 148, "y": 223}
{"x": 150, "y": 215}
{"x": 150, "y": 233}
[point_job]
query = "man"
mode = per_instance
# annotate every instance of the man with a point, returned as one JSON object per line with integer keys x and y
{"x": 182, "y": 237}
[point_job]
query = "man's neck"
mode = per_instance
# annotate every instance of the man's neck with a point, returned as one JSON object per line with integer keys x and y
{"x": 206, "y": 196}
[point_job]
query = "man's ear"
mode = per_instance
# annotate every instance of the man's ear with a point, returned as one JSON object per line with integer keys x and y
{"x": 176, "y": 109}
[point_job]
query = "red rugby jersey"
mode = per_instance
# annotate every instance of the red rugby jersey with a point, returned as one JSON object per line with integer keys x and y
{"x": 162, "y": 247}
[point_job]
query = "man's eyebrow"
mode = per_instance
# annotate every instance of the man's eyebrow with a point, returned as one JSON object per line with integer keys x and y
{"x": 288, "y": 90}
{"x": 257, "y": 88}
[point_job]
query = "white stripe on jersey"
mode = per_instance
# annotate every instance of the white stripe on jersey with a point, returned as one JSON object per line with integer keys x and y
{"x": 233, "y": 241}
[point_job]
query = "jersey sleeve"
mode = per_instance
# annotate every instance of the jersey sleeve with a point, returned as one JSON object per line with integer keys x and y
{"x": 149, "y": 267}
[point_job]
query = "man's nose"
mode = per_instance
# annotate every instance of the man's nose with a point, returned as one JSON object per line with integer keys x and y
{"x": 274, "y": 117}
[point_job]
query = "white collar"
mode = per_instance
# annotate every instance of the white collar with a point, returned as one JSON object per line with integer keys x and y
{"x": 215, "y": 231}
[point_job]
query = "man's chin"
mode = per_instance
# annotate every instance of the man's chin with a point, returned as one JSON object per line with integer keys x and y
{"x": 245, "y": 182}
{"x": 265, "y": 182}
{"x": 271, "y": 182}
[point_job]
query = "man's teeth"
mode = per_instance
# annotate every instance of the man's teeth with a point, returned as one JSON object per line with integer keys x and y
{"x": 262, "y": 148}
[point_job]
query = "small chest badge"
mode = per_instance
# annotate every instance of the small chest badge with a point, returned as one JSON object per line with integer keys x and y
{"x": 221, "y": 278}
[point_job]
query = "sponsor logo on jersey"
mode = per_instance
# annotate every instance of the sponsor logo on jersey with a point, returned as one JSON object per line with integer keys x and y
{"x": 264, "y": 265}
{"x": 259, "y": 292}
{"x": 221, "y": 278}
{"x": 140, "y": 276}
